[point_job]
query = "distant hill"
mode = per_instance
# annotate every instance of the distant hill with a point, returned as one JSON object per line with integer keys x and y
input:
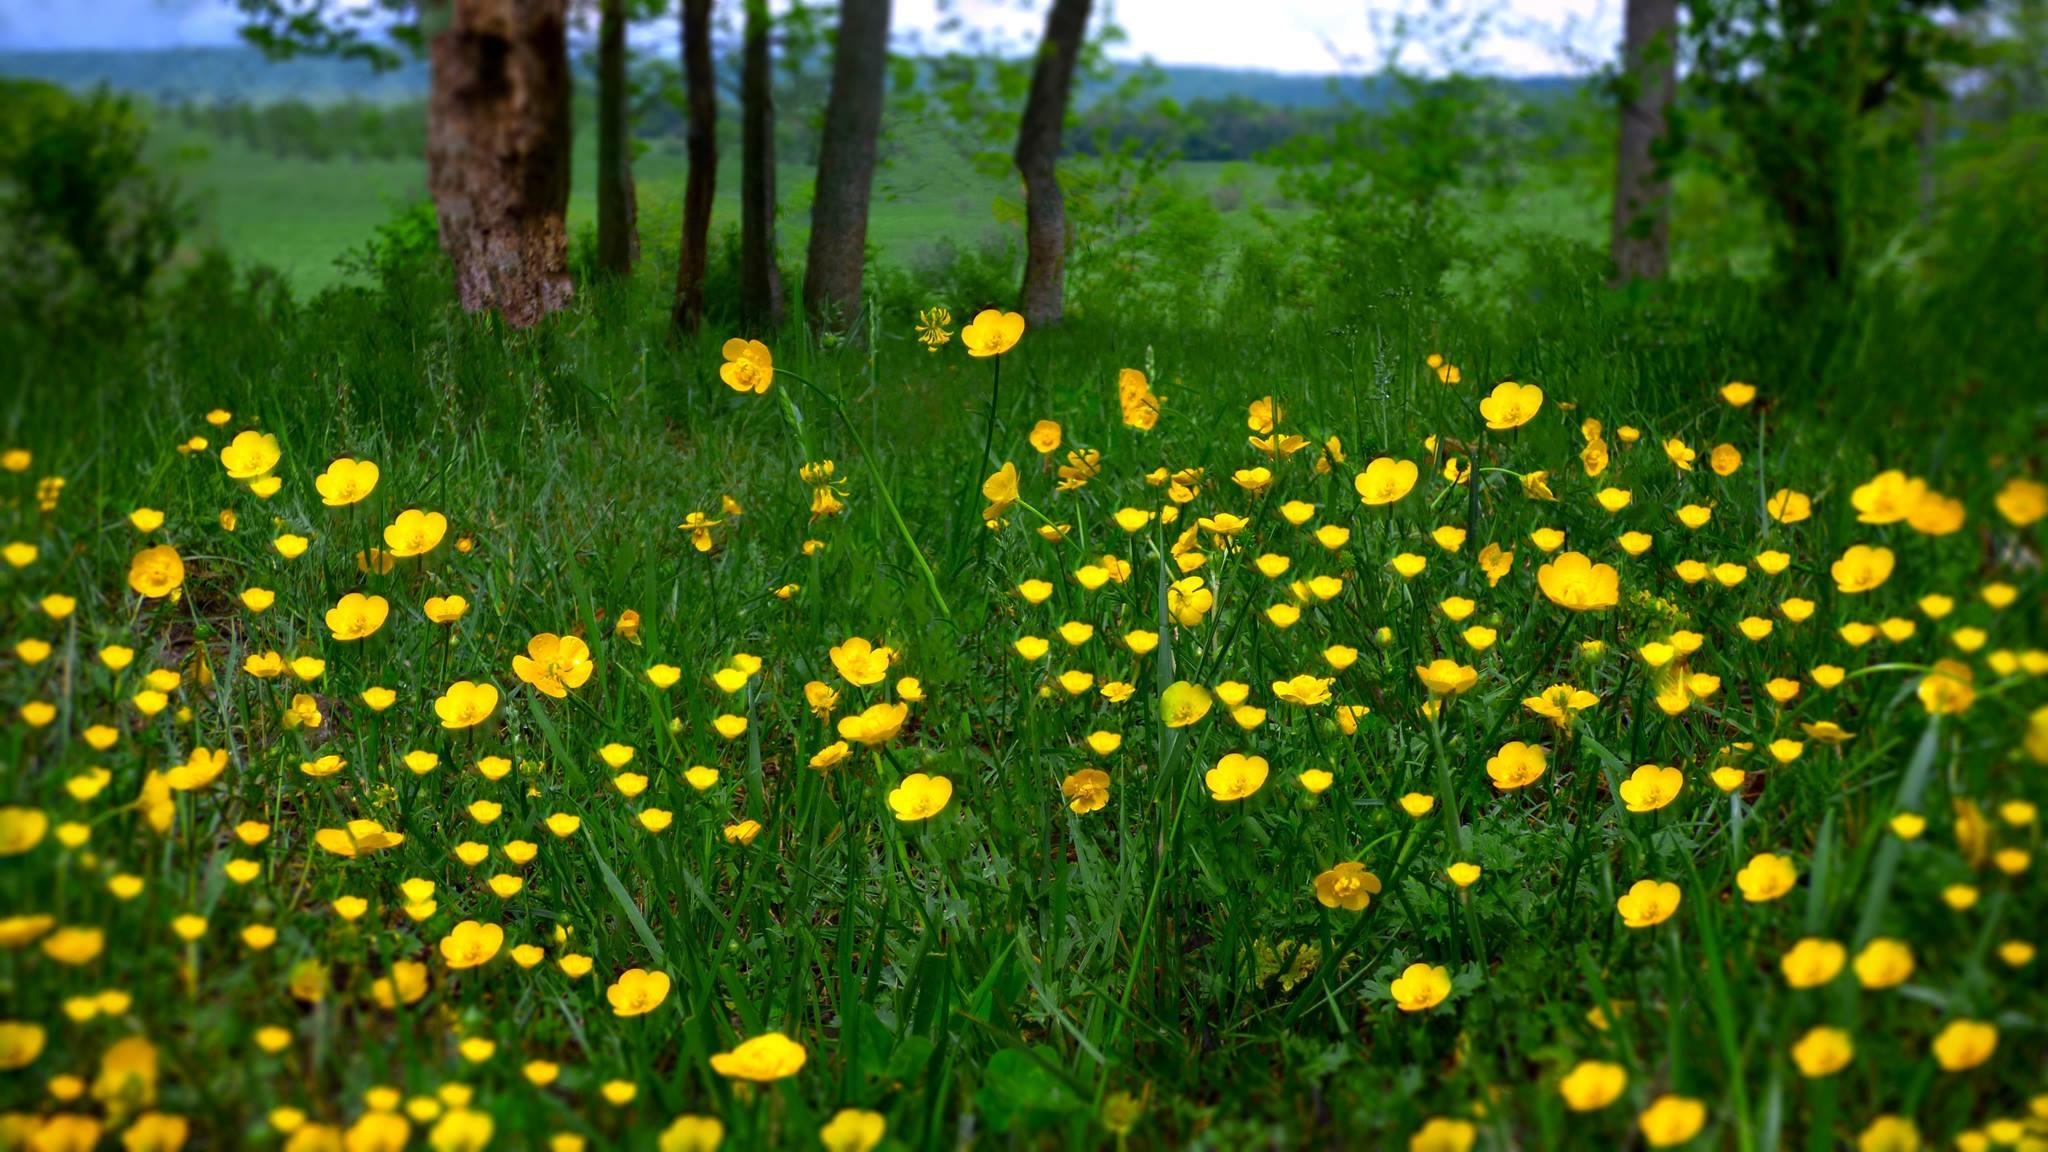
{"x": 211, "y": 75}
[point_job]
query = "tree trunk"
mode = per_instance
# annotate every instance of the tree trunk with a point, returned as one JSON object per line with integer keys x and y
{"x": 1038, "y": 153}
{"x": 1642, "y": 232}
{"x": 846, "y": 166}
{"x": 618, "y": 234}
{"x": 760, "y": 280}
{"x": 703, "y": 178}
{"x": 498, "y": 154}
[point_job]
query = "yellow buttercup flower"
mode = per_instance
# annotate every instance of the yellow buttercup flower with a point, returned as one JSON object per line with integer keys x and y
{"x": 1648, "y": 902}
{"x": 466, "y": 704}
{"x": 346, "y": 481}
{"x": 250, "y": 455}
{"x": 1511, "y": 405}
{"x": 1236, "y": 776}
{"x": 555, "y": 665}
{"x": 1420, "y": 987}
{"x": 1348, "y": 886}
{"x": 1385, "y": 481}
{"x": 920, "y": 797}
{"x": 356, "y": 616}
{"x": 748, "y": 367}
{"x": 1575, "y": 582}
{"x": 415, "y": 533}
{"x": 766, "y": 1058}
{"x": 992, "y": 333}
{"x": 637, "y": 992}
{"x": 156, "y": 572}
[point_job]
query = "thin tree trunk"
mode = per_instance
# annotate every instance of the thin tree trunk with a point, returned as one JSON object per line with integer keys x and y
{"x": 618, "y": 234}
{"x": 760, "y": 280}
{"x": 1642, "y": 232}
{"x": 498, "y": 154}
{"x": 846, "y": 165}
{"x": 703, "y": 153}
{"x": 1038, "y": 153}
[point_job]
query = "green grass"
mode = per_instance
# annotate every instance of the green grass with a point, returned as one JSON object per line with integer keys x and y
{"x": 1011, "y": 972}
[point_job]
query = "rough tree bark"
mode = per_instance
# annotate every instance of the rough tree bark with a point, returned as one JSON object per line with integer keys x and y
{"x": 618, "y": 233}
{"x": 760, "y": 280}
{"x": 498, "y": 154}
{"x": 702, "y": 181}
{"x": 846, "y": 165}
{"x": 1038, "y": 154}
{"x": 1649, "y": 56}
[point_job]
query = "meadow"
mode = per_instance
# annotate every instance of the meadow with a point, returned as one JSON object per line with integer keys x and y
{"x": 1288, "y": 707}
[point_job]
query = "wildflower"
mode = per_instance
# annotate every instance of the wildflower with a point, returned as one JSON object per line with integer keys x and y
{"x": 1862, "y": 568}
{"x": 554, "y": 665}
{"x": 1964, "y": 1044}
{"x": 466, "y": 704}
{"x": 346, "y": 482}
{"x": 1812, "y": 962}
{"x": 1447, "y": 677}
{"x": 2022, "y": 501}
{"x": 1884, "y": 963}
{"x": 250, "y": 455}
{"x": 1135, "y": 398}
{"x": 471, "y": 944}
{"x": 876, "y": 725}
{"x": 695, "y": 1133}
{"x": 861, "y": 663}
{"x": 992, "y": 333}
{"x": 637, "y": 992}
{"x": 1516, "y": 765}
{"x": 415, "y": 533}
{"x": 1592, "y": 1085}
{"x": 1385, "y": 481}
{"x": 357, "y": 616}
{"x": 156, "y": 572}
{"x": 1236, "y": 776}
{"x": 1304, "y": 690}
{"x": 920, "y": 797}
{"x": 1822, "y": 1051}
{"x": 766, "y": 1058}
{"x": 1560, "y": 703}
{"x": 934, "y": 331}
{"x": 853, "y": 1130}
{"x": 1511, "y": 405}
{"x": 1420, "y": 987}
{"x": 1573, "y": 581}
{"x": 1737, "y": 394}
{"x": 1947, "y": 688}
{"x": 748, "y": 367}
{"x": 1887, "y": 498}
{"x": 1000, "y": 490}
{"x": 1766, "y": 877}
{"x": 1045, "y": 437}
{"x": 1086, "y": 791}
{"x": 1672, "y": 1120}
{"x": 359, "y": 837}
{"x": 1348, "y": 886}
{"x": 1651, "y": 787}
{"x": 1648, "y": 903}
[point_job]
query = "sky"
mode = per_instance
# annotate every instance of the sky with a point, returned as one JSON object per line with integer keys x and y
{"x": 1518, "y": 37}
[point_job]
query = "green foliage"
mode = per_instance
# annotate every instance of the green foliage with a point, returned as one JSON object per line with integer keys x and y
{"x": 85, "y": 222}
{"x": 1803, "y": 90}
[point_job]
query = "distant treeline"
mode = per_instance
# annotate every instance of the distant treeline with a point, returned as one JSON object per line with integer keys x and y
{"x": 300, "y": 129}
{"x": 1229, "y": 128}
